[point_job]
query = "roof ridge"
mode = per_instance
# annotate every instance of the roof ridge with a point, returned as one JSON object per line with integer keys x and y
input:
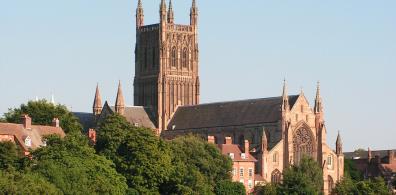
{"x": 235, "y": 101}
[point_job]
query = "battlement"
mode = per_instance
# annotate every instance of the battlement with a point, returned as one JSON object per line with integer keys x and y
{"x": 180, "y": 27}
{"x": 148, "y": 28}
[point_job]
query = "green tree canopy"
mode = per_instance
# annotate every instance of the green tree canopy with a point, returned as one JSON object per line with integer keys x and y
{"x": 376, "y": 186}
{"x": 268, "y": 189}
{"x": 74, "y": 168}
{"x": 42, "y": 113}
{"x": 12, "y": 182}
{"x": 198, "y": 166}
{"x": 226, "y": 187}
{"x": 351, "y": 170}
{"x": 9, "y": 155}
{"x": 305, "y": 178}
{"x": 142, "y": 157}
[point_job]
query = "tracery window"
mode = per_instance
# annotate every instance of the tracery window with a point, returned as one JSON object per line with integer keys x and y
{"x": 276, "y": 176}
{"x": 173, "y": 59}
{"x": 303, "y": 144}
{"x": 185, "y": 58}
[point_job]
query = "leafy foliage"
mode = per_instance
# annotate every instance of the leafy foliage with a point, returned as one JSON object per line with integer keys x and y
{"x": 374, "y": 186}
{"x": 9, "y": 155}
{"x": 351, "y": 170}
{"x": 268, "y": 189}
{"x": 226, "y": 187}
{"x": 305, "y": 178}
{"x": 74, "y": 168}
{"x": 138, "y": 154}
{"x": 196, "y": 167}
{"x": 42, "y": 113}
{"x": 20, "y": 183}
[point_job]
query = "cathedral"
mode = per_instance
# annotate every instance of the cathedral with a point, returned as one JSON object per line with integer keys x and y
{"x": 280, "y": 129}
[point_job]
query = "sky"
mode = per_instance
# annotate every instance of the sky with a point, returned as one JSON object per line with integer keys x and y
{"x": 247, "y": 48}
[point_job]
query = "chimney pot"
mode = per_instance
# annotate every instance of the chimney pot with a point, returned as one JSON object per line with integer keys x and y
{"x": 26, "y": 121}
{"x": 228, "y": 140}
{"x": 211, "y": 139}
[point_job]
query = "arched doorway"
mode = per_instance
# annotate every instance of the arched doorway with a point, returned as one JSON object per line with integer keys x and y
{"x": 330, "y": 184}
{"x": 303, "y": 144}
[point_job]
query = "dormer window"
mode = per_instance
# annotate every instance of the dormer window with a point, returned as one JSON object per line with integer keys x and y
{"x": 243, "y": 155}
{"x": 28, "y": 142}
{"x": 231, "y": 155}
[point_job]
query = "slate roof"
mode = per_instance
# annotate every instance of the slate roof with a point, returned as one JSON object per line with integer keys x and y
{"x": 139, "y": 114}
{"x": 235, "y": 113}
{"x": 364, "y": 154}
{"x": 86, "y": 120}
{"x": 36, "y": 133}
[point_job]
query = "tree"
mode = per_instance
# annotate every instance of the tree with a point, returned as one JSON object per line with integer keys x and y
{"x": 226, "y": 187}
{"x": 268, "y": 189}
{"x": 12, "y": 182}
{"x": 376, "y": 186}
{"x": 196, "y": 167}
{"x": 74, "y": 168}
{"x": 351, "y": 170}
{"x": 42, "y": 113}
{"x": 305, "y": 178}
{"x": 9, "y": 155}
{"x": 142, "y": 157}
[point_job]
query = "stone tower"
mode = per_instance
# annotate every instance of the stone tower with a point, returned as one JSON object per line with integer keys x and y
{"x": 166, "y": 63}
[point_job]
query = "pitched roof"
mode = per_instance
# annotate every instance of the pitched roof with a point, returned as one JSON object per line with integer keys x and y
{"x": 140, "y": 115}
{"x": 36, "y": 133}
{"x": 233, "y": 113}
{"x": 364, "y": 154}
{"x": 226, "y": 149}
{"x": 86, "y": 119}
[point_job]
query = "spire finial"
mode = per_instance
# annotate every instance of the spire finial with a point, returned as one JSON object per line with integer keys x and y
{"x": 97, "y": 105}
{"x": 171, "y": 17}
{"x": 194, "y": 13}
{"x": 120, "y": 101}
{"x": 139, "y": 15}
{"x": 318, "y": 100}
{"x": 285, "y": 97}
{"x": 339, "y": 144}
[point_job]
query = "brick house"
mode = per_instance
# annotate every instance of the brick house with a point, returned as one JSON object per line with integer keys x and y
{"x": 243, "y": 163}
{"x": 27, "y": 136}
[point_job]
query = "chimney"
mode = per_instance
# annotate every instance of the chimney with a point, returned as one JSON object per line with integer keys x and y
{"x": 228, "y": 140}
{"x": 92, "y": 136}
{"x": 26, "y": 121}
{"x": 55, "y": 122}
{"x": 391, "y": 156}
{"x": 211, "y": 139}
{"x": 247, "y": 147}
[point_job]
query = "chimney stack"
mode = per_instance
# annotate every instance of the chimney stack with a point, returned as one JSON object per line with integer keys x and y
{"x": 247, "y": 147}
{"x": 26, "y": 121}
{"x": 228, "y": 140}
{"x": 391, "y": 155}
{"x": 92, "y": 136}
{"x": 211, "y": 139}
{"x": 55, "y": 122}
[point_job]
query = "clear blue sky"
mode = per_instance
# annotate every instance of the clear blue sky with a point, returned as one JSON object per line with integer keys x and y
{"x": 246, "y": 49}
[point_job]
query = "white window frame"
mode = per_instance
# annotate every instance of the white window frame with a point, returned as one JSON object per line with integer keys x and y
{"x": 241, "y": 172}
{"x": 250, "y": 173}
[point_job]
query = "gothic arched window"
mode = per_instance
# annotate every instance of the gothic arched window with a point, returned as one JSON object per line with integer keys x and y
{"x": 276, "y": 176}
{"x": 185, "y": 58}
{"x": 303, "y": 144}
{"x": 173, "y": 59}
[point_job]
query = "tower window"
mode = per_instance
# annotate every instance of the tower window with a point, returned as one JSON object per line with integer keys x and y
{"x": 185, "y": 58}
{"x": 154, "y": 56}
{"x": 145, "y": 57}
{"x": 174, "y": 57}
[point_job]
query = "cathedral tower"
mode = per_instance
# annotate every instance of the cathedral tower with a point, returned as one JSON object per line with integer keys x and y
{"x": 166, "y": 63}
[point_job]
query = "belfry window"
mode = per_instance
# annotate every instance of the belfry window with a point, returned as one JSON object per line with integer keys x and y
{"x": 173, "y": 59}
